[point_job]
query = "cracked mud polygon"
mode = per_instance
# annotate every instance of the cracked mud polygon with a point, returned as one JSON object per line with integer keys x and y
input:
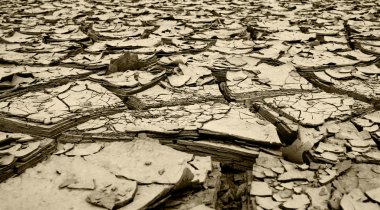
{"x": 193, "y": 104}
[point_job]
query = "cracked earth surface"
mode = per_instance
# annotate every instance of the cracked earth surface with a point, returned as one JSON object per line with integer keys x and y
{"x": 191, "y": 104}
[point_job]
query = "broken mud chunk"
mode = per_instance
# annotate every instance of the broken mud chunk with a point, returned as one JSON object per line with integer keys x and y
{"x": 374, "y": 117}
{"x": 30, "y": 148}
{"x": 260, "y": 189}
{"x": 285, "y": 193}
{"x": 73, "y": 182}
{"x": 343, "y": 166}
{"x": 288, "y": 185}
{"x": 374, "y": 194}
{"x": 334, "y": 202}
{"x": 297, "y": 202}
{"x": 113, "y": 196}
{"x": 323, "y": 179}
{"x": 62, "y": 148}
{"x": 357, "y": 195}
{"x": 6, "y": 160}
{"x": 359, "y": 143}
{"x": 267, "y": 202}
{"x": 329, "y": 156}
{"x": 347, "y": 203}
{"x": 258, "y": 172}
{"x": 127, "y": 61}
{"x": 168, "y": 166}
{"x": 278, "y": 170}
{"x": 241, "y": 123}
{"x": 297, "y": 190}
{"x": 296, "y": 175}
{"x": 319, "y": 197}
{"x": 374, "y": 155}
{"x": 268, "y": 161}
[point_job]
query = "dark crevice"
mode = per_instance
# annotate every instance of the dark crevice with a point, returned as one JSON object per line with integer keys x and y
{"x": 348, "y": 31}
{"x": 331, "y": 89}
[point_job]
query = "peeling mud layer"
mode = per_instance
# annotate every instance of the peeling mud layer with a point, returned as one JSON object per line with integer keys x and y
{"x": 192, "y": 104}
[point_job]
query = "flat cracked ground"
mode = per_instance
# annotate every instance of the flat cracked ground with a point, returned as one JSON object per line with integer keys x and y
{"x": 191, "y": 104}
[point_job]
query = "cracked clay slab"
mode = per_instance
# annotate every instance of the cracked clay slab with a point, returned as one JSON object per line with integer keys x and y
{"x": 53, "y": 108}
{"x": 145, "y": 161}
{"x": 241, "y": 123}
{"x": 314, "y": 109}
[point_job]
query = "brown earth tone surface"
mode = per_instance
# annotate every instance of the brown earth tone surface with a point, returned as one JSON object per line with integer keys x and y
{"x": 191, "y": 104}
